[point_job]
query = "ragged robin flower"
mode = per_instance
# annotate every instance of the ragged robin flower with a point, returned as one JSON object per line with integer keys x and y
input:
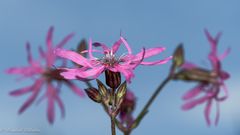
{"x": 93, "y": 67}
{"x": 212, "y": 89}
{"x": 44, "y": 74}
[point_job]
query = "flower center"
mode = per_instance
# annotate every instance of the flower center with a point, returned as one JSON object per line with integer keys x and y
{"x": 109, "y": 59}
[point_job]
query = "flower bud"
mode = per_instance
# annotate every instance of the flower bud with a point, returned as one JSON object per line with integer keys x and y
{"x": 121, "y": 92}
{"x": 113, "y": 79}
{"x": 81, "y": 47}
{"x": 103, "y": 92}
{"x": 195, "y": 74}
{"x": 93, "y": 94}
{"x": 178, "y": 56}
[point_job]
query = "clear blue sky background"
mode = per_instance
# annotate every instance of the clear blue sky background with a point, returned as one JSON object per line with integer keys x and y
{"x": 143, "y": 23}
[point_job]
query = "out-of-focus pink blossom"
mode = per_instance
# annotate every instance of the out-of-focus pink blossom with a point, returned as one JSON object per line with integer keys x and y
{"x": 43, "y": 74}
{"x": 93, "y": 67}
{"x": 208, "y": 92}
{"x": 127, "y": 108}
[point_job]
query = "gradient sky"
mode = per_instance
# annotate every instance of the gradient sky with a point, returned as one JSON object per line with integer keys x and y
{"x": 144, "y": 24}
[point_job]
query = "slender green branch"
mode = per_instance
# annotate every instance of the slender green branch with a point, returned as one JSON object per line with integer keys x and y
{"x": 113, "y": 125}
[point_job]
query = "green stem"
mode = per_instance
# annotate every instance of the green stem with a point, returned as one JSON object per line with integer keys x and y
{"x": 113, "y": 125}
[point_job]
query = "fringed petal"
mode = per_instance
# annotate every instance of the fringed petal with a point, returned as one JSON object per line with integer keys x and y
{"x": 193, "y": 92}
{"x": 207, "y": 112}
{"x": 65, "y": 40}
{"x": 191, "y": 104}
{"x": 73, "y": 56}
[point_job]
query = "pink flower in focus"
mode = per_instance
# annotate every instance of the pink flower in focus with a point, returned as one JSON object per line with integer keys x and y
{"x": 44, "y": 74}
{"x": 212, "y": 91}
{"x": 93, "y": 67}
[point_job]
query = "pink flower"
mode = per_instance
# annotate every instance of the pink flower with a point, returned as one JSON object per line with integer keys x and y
{"x": 93, "y": 67}
{"x": 44, "y": 74}
{"x": 127, "y": 108}
{"x": 211, "y": 91}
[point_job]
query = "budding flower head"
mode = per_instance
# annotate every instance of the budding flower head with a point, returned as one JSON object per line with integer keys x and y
{"x": 81, "y": 47}
{"x": 178, "y": 56}
{"x": 93, "y": 94}
{"x": 113, "y": 79}
{"x": 121, "y": 93}
{"x": 196, "y": 74}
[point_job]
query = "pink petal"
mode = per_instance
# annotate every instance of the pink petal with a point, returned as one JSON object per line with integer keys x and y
{"x": 51, "y": 94}
{"x": 224, "y": 75}
{"x": 126, "y": 45}
{"x": 90, "y": 50}
{"x": 65, "y": 40}
{"x": 95, "y": 72}
{"x": 225, "y": 90}
{"x": 217, "y": 113}
{"x": 129, "y": 64}
{"x": 188, "y": 65}
{"x": 193, "y": 103}
{"x": 75, "y": 89}
{"x": 21, "y": 91}
{"x": 117, "y": 44}
{"x": 150, "y": 52}
{"x": 78, "y": 73}
{"x": 159, "y": 62}
{"x": 49, "y": 38}
{"x": 29, "y": 54}
{"x": 25, "y": 71}
{"x": 193, "y": 92}
{"x": 130, "y": 95}
{"x": 207, "y": 112}
{"x": 224, "y": 54}
{"x": 50, "y": 57}
{"x": 214, "y": 61}
{"x": 213, "y": 41}
{"x": 70, "y": 73}
{"x": 104, "y": 47}
{"x": 73, "y": 56}
{"x": 86, "y": 51}
{"x": 60, "y": 104}
{"x": 128, "y": 73}
{"x": 16, "y": 70}
{"x": 50, "y": 111}
{"x": 41, "y": 52}
{"x": 36, "y": 89}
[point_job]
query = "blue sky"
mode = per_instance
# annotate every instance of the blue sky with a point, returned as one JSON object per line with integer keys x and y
{"x": 144, "y": 24}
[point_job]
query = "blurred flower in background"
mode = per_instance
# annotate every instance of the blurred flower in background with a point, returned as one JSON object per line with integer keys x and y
{"x": 44, "y": 74}
{"x": 127, "y": 108}
{"x": 211, "y": 82}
